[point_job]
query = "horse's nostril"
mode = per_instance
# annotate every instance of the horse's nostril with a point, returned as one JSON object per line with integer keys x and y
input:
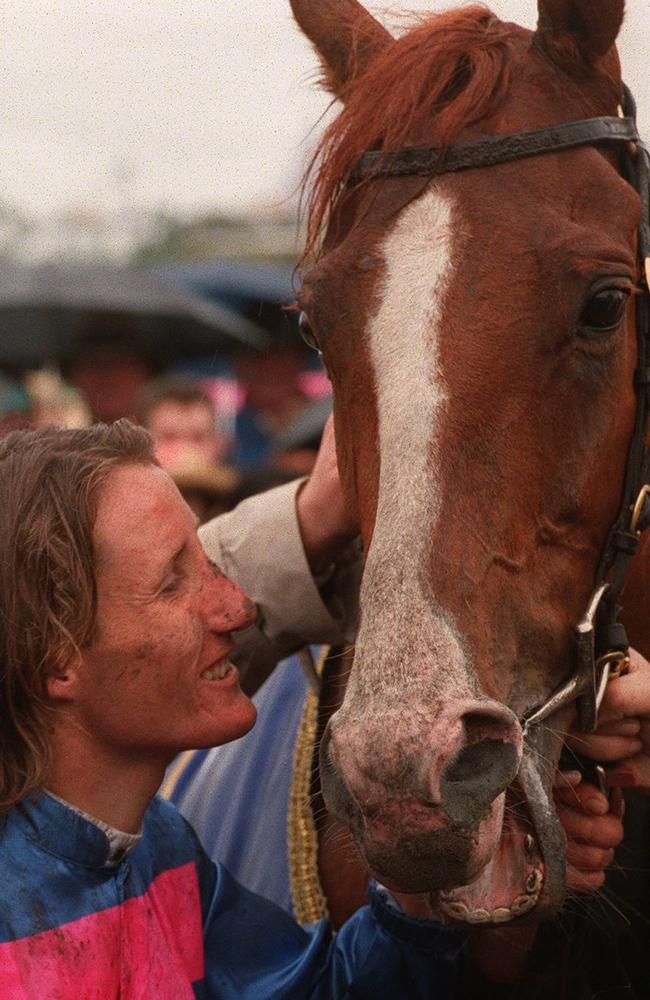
{"x": 474, "y": 777}
{"x": 490, "y": 722}
{"x": 481, "y": 761}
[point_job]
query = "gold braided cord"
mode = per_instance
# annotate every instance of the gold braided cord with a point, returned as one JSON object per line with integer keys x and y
{"x": 308, "y": 898}
{"x": 175, "y": 773}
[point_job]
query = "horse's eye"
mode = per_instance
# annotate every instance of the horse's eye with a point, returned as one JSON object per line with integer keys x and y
{"x": 307, "y": 333}
{"x": 603, "y": 311}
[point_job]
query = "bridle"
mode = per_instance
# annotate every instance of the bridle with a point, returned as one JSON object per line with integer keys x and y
{"x": 601, "y": 640}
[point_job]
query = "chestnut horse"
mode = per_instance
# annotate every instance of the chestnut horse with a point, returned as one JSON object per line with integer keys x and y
{"x": 479, "y": 330}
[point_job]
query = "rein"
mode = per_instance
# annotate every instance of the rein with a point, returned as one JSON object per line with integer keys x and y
{"x": 601, "y": 641}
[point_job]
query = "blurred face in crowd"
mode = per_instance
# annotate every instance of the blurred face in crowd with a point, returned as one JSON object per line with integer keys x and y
{"x": 14, "y": 422}
{"x": 271, "y": 381}
{"x": 110, "y": 385}
{"x": 16, "y": 406}
{"x": 174, "y": 425}
{"x": 156, "y": 677}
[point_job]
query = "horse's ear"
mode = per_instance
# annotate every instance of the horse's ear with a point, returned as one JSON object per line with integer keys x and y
{"x": 345, "y": 36}
{"x": 590, "y": 26}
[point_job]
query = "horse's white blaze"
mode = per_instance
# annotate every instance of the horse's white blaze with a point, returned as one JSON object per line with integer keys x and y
{"x": 404, "y": 634}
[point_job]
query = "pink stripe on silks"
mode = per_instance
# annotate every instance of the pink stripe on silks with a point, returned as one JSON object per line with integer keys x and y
{"x": 148, "y": 948}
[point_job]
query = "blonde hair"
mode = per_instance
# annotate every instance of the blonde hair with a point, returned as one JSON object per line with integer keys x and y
{"x": 50, "y": 481}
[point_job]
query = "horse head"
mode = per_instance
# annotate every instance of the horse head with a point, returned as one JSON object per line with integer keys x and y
{"x": 480, "y": 337}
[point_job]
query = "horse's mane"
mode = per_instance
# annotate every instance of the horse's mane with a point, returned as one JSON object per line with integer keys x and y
{"x": 452, "y": 67}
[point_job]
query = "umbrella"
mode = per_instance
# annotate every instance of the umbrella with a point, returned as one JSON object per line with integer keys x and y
{"x": 258, "y": 290}
{"x": 235, "y": 283}
{"x": 45, "y": 311}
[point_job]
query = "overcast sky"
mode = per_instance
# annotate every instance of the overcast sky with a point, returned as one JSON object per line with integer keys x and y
{"x": 179, "y": 104}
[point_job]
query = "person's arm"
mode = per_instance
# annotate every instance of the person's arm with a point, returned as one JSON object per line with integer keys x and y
{"x": 255, "y": 951}
{"x": 292, "y": 550}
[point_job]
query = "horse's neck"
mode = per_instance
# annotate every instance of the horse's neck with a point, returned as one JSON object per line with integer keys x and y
{"x": 343, "y": 876}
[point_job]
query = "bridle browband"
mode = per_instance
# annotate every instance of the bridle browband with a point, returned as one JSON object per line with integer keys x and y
{"x": 601, "y": 640}
{"x": 427, "y": 161}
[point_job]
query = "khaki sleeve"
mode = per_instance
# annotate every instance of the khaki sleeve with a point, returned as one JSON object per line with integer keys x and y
{"x": 258, "y": 545}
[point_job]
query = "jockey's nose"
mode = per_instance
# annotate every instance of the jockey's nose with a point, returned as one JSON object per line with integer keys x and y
{"x": 226, "y": 607}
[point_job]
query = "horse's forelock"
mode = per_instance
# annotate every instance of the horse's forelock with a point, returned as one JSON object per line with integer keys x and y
{"x": 451, "y": 68}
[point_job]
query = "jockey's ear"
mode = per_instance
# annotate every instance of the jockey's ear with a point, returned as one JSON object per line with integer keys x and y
{"x": 570, "y": 31}
{"x": 345, "y": 36}
{"x": 62, "y": 680}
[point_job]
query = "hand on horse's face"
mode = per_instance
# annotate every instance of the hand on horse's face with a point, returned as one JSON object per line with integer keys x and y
{"x": 623, "y": 736}
{"x": 326, "y": 525}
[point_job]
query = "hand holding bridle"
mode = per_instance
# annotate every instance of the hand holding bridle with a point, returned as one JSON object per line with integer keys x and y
{"x": 623, "y": 736}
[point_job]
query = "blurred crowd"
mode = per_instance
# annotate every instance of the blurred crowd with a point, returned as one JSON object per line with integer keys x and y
{"x": 222, "y": 428}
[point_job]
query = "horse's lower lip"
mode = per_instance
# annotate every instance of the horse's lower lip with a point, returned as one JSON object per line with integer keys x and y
{"x": 416, "y": 863}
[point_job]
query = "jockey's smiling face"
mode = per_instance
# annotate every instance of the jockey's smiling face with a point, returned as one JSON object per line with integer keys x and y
{"x": 156, "y": 676}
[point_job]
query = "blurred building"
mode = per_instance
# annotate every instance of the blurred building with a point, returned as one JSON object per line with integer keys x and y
{"x": 125, "y": 235}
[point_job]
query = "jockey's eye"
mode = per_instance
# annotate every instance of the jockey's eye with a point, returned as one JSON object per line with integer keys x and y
{"x": 307, "y": 333}
{"x": 603, "y": 311}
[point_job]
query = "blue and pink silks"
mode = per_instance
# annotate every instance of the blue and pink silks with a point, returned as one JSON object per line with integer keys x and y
{"x": 166, "y": 923}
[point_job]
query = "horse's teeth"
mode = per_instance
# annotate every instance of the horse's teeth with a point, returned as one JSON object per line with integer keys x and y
{"x": 502, "y": 914}
{"x": 523, "y": 904}
{"x": 534, "y": 881}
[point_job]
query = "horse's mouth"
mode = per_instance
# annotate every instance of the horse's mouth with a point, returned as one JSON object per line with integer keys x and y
{"x": 526, "y": 874}
{"x": 510, "y": 886}
{"x": 497, "y": 869}
{"x": 505, "y": 869}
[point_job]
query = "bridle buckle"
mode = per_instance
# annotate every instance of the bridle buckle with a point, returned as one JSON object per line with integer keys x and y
{"x": 617, "y": 662}
{"x": 609, "y": 666}
{"x": 632, "y": 147}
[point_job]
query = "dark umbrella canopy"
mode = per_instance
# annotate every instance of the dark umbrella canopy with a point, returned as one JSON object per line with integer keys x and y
{"x": 234, "y": 283}
{"x": 258, "y": 290}
{"x": 45, "y": 310}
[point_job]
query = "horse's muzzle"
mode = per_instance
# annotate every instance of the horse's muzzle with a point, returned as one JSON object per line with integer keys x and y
{"x": 416, "y": 800}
